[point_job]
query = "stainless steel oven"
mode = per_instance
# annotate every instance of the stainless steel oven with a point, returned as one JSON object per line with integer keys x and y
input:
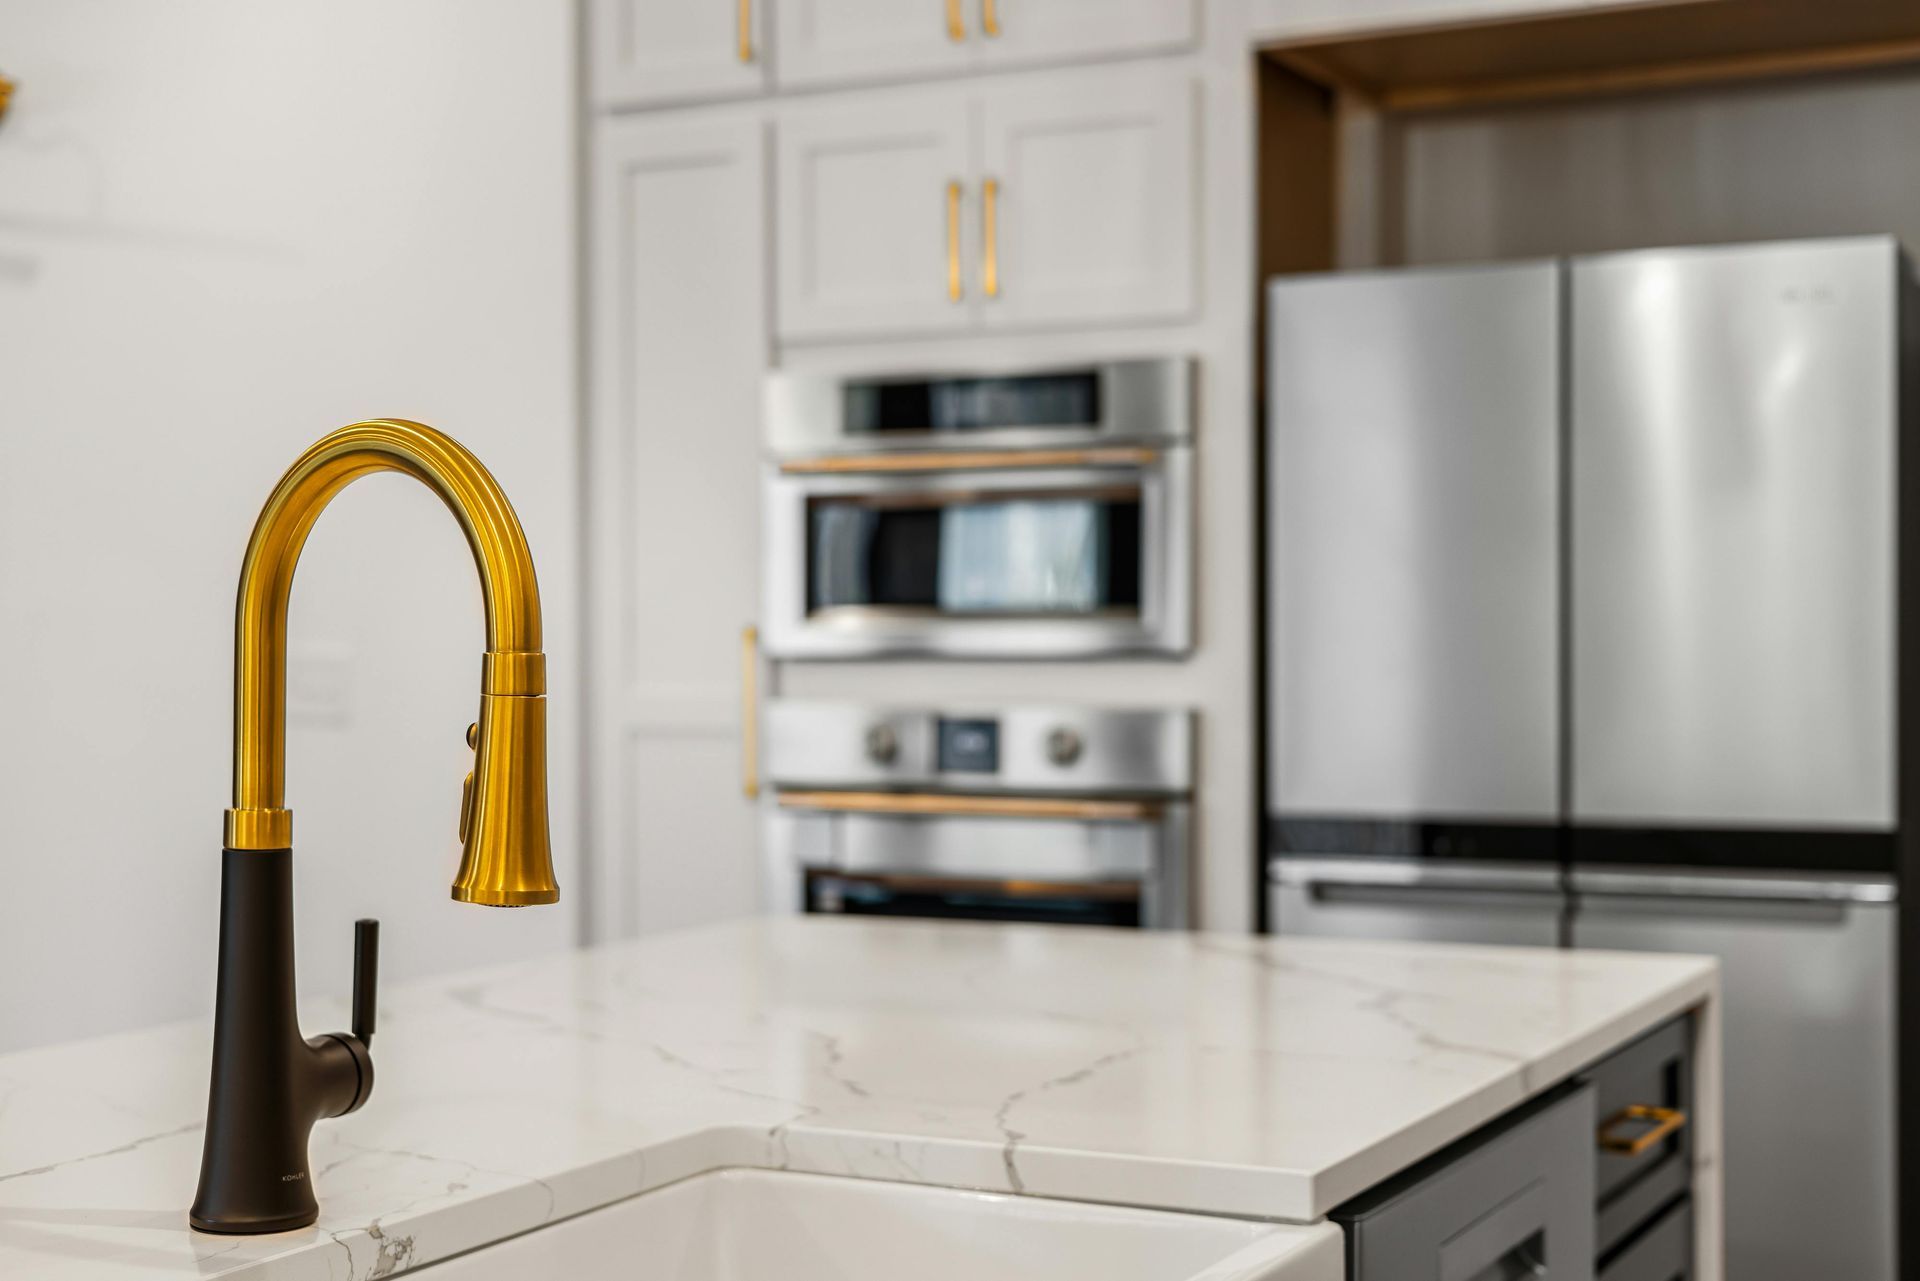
{"x": 1025, "y": 514}
{"x": 1067, "y": 815}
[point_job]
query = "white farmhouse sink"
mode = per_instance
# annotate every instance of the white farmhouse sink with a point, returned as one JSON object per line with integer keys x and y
{"x": 758, "y": 1225}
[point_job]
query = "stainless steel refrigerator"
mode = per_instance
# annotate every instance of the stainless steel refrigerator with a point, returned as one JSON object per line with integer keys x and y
{"x": 1584, "y": 626}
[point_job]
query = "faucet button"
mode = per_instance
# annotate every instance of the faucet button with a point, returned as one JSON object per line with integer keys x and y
{"x": 473, "y": 735}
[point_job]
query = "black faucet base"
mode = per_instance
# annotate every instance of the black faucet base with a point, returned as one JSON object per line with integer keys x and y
{"x": 269, "y": 1085}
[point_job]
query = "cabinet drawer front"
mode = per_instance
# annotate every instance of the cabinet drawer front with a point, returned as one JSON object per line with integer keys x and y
{"x": 1031, "y": 31}
{"x": 1653, "y": 1072}
{"x": 655, "y": 51}
{"x": 1664, "y": 1254}
{"x": 1519, "y": 1194}
{"x": 846, "y": 41}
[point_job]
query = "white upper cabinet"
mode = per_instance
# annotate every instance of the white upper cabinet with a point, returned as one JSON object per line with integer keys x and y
{"x": 848, "y": 41}
{"x": 1026, "y": 31}
{"x": 1089, "y": 180}
{"x": 657, "y": 51}
{"x": 1016, "y": 203}
{"x": 843, "y": 41}
{"x": 873, "y": 235}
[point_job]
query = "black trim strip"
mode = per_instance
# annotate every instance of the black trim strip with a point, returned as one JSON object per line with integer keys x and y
{"x": 1772, "y": 849}
{"x": 1413, "y": 838}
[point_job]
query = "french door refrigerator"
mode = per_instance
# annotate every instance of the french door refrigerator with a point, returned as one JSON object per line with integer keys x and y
{"x": 1584, "y": 626}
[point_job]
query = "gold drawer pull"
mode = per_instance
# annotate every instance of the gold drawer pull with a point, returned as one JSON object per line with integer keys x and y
{"x": 954, "y": 292}
{"x": 990, "y": 233}
{"x": 1666, "y": 1122}
{"x": 743, "y": 24}
{"x": 990, "y": 17}
{"x": 956, "y": 22}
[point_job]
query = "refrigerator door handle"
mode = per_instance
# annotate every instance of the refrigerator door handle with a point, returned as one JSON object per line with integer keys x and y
{"x": 1755, "y": 890}
{"x": 1438, "y": 886}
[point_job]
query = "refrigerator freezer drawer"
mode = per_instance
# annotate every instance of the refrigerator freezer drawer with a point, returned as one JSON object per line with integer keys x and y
{"x": 1732, "y": 460}
{"x": 1441, "y": 903}
{"x": 1807, "y": 1033}
{"x": 1413, "y": 534}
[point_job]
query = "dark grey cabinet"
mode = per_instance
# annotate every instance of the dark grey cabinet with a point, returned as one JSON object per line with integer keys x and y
{"x": 1592, "y": 1182}
{"x": 1644, "y": 1149}
{"x": 1514, "y": 1200}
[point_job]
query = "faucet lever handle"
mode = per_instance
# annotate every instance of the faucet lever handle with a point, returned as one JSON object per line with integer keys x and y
{"x": 366, "y": 976}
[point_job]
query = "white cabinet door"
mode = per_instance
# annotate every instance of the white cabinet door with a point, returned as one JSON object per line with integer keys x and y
{"x": 843, "y": 41}
{"x": 1088, "y": 192}
{"x": 680, "y": 348}
{"x": 875, "y": 226}
{"x": 1027, "y": 31}
{"x": 652, "y": 51}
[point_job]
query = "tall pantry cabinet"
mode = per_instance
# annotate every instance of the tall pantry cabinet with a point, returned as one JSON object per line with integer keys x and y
{"x": 761, "y": 184}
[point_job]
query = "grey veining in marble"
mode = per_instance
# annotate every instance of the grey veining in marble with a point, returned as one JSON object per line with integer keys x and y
{"x": 1233, "y": 1075}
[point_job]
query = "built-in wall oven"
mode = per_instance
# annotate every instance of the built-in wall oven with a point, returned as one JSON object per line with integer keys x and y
{"x": 1050, "y": 814}
{"x": 1024, "y": 514}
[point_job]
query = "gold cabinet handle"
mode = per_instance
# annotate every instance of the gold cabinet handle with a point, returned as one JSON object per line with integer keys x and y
{"x": 744, "y": 21}
{"x": 750, "y": 712}
{"x": 1666, "y": 1122}
{"x": 954, "y": 290}
{"x": 990, "y": 17}
{"x": 956, "y": 21}
{"x": 990, "y": 230}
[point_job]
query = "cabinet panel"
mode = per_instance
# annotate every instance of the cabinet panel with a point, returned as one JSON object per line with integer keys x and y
{"x": 679, "y": 350}
{"x": 1414, "y": 483}
{"x": 1513, "y": 1201}
{"x": 650, "y": 51}
{"x": 1022, "y": 31}
{"x": 1733, "y": 532}
{"x": 842, "y": 41}
{"x": 875, "y": 233}
{"x": 1090, "y": 214}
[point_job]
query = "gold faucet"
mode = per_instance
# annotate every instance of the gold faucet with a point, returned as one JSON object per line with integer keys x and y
{"x": 505, "y": 861}
{"x": 270, "y": 1085}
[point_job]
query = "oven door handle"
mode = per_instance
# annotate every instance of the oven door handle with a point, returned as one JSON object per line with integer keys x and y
{"x": 939, "y": 805}
{"x": 1117, "y": 891}
{"x": 969, "y": 460}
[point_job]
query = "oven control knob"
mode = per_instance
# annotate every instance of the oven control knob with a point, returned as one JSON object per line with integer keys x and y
{"x": 883, "y": 745}
{"x": 1064, "y": 746}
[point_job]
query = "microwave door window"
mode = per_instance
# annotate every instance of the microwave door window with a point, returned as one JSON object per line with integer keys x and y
{"x": 1046, "y": 557}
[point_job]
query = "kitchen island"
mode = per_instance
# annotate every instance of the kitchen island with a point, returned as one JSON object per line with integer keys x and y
{"x": 1271, "y": 1079}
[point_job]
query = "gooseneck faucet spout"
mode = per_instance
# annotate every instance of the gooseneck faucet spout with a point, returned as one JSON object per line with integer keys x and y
{"x": 269, "y": 1085}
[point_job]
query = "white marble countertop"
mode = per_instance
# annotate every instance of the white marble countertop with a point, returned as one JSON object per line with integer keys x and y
{"x": 1268, "y": 1078}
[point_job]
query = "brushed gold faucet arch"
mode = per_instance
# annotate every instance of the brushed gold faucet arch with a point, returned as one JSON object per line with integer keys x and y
{"x": 505, "y": 859}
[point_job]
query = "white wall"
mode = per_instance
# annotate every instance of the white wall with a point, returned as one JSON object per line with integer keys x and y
{"x": 225, "y": 228}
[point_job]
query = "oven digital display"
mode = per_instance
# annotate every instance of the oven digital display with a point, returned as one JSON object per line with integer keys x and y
{"x": 969, "y": 746}
{"x": 1062, "y": 400}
